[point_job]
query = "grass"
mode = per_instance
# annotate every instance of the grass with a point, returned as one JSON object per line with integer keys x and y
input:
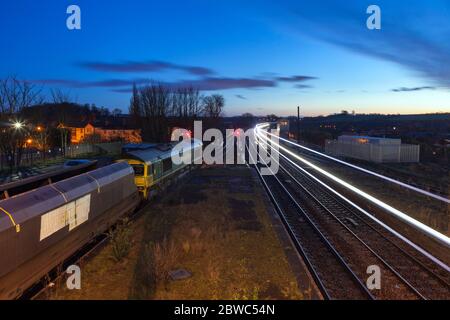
{"x": 206, "y": 234}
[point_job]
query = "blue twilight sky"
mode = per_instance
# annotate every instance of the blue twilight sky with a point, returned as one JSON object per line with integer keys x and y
{"x": 264, "y": 56}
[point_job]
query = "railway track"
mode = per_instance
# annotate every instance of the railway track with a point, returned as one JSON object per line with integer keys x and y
{"x": 406, "y": 274}
{"x": 420, "y": 274}
{"x": 333, "y": 275}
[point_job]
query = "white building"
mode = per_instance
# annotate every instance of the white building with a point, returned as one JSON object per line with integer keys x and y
{"x": 373, "y": 149}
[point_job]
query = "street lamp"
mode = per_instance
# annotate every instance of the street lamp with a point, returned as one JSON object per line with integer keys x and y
{"x": 17, "y": 125}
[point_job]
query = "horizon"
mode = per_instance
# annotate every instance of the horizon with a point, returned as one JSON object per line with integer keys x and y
{"x": 266, "y": 57}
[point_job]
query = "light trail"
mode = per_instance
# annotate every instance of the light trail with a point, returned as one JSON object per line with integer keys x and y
{"x": 409, "y": 220}
{"x": 405, "y": 185}
{"x": 370, "y": 216}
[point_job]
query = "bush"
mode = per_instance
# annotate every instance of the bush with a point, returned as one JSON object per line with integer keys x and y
{"x": 121, "y": 240}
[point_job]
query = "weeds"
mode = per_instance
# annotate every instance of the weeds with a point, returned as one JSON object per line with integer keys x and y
{"x": 292, "y": 292}
{"x": 121, "y": 240}
{"x": 246, "y": 294}
{"x": 164, "y": 256}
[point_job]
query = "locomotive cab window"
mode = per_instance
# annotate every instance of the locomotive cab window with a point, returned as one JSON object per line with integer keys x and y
{"x": 138, "y": 169}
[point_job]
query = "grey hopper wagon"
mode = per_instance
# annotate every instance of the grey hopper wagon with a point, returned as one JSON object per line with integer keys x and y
{"x": 41, "y": 228}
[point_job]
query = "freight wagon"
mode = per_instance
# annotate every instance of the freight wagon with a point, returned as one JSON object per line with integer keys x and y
{"x": 41, "y": 228}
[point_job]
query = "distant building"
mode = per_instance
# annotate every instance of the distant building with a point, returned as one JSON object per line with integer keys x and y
{"x": 105, "y": 133}
{"x": 283, "y": 126}
{"x": 373, "y": 149}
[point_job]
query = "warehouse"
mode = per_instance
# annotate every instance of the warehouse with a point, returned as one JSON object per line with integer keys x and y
{"x": 374, "y": 149}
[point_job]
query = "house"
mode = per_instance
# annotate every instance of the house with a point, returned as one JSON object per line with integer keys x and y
{"x": 103, "y": 133}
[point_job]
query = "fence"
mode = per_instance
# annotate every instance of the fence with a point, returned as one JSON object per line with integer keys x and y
{"x": 29, "y": 158}
{"x": 377, "y": 153}
{"x": 82, "y": 149}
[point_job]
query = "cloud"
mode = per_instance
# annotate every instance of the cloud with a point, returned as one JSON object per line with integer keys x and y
{"x": 241, "y": 97}
{"x": 295, "y": 78}
{"x": 303, "y": 86}
{"x": 403, "y": 89}
{"x": 109, "y": 83}
{"x": 204, "y": 84}
{"x": 222, "y": 83}
{"x": 414, "y": 36}
{"x": 58, "y": 82}
{"x": 144, "y": 66}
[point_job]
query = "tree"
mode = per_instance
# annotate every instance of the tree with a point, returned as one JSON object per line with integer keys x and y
{"x": 186, "y": 106}
{"x": 151, "y": 105}
{"x": 272, "y": 118}
{"x": 213, "y": 105}
{"x": 116, "y": 112}
{"x": 186, "y": 103}
{"x": 15, "y": 96}
{"x": 62, "y": 99}
{"x": 135, "y": 103}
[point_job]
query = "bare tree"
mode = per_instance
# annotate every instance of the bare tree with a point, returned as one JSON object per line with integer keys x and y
{"x": 62, "y": 99}
{"x": 116, "y": 112}
{"x": 15, "y": 96}
{"x": 151, "y": 105}
{"x": 135, "y": 103}
{"x": 272, "y": 117}
{"x": 213, "y": 105}
{"x": 186, "y": 106}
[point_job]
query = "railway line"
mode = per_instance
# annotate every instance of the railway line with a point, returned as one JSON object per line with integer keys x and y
{"x": 427, "y": 278}
{"x": 406, "y": 273}
{"x": 333, "y": 275}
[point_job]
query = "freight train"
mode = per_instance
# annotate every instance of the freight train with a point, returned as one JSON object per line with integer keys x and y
{"x": 42, "y": 227}
{"x": 152, "y": 163}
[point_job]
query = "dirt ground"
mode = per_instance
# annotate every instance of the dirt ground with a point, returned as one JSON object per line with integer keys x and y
{"x": 215, "y": 227}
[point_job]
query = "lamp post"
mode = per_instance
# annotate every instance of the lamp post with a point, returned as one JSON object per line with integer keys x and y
{"x": 298, "y": 124}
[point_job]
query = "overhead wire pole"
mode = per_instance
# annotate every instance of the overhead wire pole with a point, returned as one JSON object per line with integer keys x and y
{"x": 298, "y": 124}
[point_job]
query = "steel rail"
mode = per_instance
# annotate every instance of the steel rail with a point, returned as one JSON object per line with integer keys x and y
{"x": 355, "y": 279}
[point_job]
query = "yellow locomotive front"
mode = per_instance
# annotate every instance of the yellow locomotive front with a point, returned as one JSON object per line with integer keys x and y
{"x": 143, "y": 177}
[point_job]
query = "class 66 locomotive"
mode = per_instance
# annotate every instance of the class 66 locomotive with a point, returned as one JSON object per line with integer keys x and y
{"x": 47, "y": 219}
{"x": 153, "y": 164}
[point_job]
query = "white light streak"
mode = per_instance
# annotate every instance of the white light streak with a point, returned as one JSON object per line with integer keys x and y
{"x": 417, "y": 224}
{"x": 370, "y": 216}
{"x": 405, "y": 185}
